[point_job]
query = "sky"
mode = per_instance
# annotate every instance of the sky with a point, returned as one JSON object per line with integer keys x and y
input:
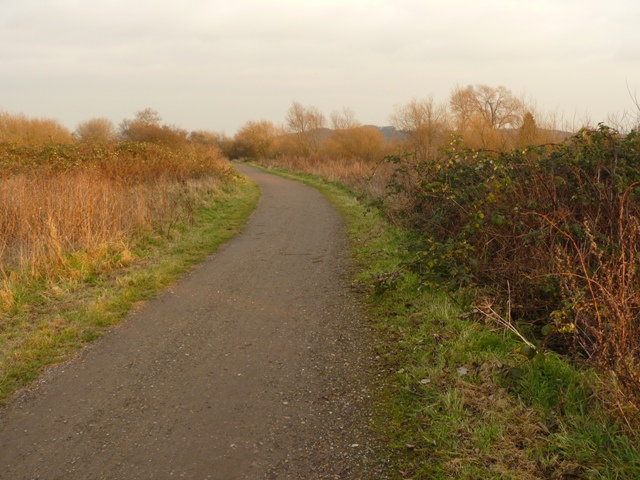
{"x": 216, "y": 64}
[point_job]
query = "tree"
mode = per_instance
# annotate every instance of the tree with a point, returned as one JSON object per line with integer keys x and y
{"x": 21, "y": 129}
{"x": 425, "y": 124}
{"x": 136, "y": 130}
{"x": 206, "y": 137}
{"x": 343, "y": 120}
{"x": 359, "y": 142}
{"x": 258, "y": 138}
{"x": 498, "y": 107}
{"x": 528, "y": 132}
{"x": 482, "y": 114}
{"x": 306, "y": 124}
{"x": 96, "y": 130}
{"x": 148, "y": 116}
{"x": 146, "y": 127}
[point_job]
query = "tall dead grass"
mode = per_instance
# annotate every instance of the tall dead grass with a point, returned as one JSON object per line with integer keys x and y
{"x": 60, "y": 200}
{"x": 364, "y": 176}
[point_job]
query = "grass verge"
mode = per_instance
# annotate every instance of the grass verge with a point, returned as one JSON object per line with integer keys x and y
{"x": 55, "y": 317}
{"x": 460, "y": 400}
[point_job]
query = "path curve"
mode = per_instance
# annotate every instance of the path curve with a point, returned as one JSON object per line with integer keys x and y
{"x": 249, "y": 367}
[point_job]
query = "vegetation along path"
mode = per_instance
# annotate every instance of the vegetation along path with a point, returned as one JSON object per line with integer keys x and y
{"x": 248, "y": 367}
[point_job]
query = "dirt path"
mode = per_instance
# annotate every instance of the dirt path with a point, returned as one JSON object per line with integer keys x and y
{"x": 250, "y": 367}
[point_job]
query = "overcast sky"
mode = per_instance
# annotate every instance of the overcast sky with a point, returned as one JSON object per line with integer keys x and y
{"x": 215, "y": 64}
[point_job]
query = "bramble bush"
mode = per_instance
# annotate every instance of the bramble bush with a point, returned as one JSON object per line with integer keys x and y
{"x": 552, "y": 230}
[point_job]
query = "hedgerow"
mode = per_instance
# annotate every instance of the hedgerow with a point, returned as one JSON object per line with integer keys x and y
{"x": 548, "y": 233}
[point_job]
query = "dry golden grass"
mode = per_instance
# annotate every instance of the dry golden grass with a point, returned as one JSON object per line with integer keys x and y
{"x": 70, "y": 204}
{"x": 368, "y": 177}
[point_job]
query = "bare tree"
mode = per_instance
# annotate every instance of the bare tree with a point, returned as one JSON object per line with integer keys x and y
{"x": 425, "y": 123}
{"x": 344, "y": 119}
{"x": 306, "y": 123}
{"x": 482, "y": 114}
{"x": 363, "y": 142}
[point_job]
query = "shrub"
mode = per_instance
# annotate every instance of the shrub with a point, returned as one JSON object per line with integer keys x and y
{"x": 552, "y": 230}
{"x": 146, "y": 127}
{"x": 22, "y": 130}
{"x": 96, "y": 130}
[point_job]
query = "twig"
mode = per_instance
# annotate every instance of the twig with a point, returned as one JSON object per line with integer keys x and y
{"x": 508, "y": 323}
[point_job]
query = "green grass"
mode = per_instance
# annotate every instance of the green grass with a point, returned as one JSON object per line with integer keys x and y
{"x": 52, "y": 318}
{"x": 459, "y": 401}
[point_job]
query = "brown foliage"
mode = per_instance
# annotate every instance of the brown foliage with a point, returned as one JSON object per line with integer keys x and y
{"x": 146, "y": 127}
{"x": 22, "y": 130}
{"x": 204, "y": 137}
{"x": 96, "y": 130}
{"x": 343, "y": 120}
{"x": 358, "y": 142}
{"x": 425, "y": 124}
{"x": 63, "y": 198}
{"x": 528, "y": 131}
{"x": 483, "y": 114}
{"x": 306, "y": 124}
{"x": 256, "y": 140}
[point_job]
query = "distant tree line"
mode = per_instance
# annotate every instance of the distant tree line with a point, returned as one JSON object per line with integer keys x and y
{"x": 480, "y": 116}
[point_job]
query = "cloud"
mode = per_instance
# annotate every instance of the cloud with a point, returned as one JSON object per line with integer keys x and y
{"x": 368, "y": 55}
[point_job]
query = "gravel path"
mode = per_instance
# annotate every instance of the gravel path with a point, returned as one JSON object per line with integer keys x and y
{"x": 253, "y": 366}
